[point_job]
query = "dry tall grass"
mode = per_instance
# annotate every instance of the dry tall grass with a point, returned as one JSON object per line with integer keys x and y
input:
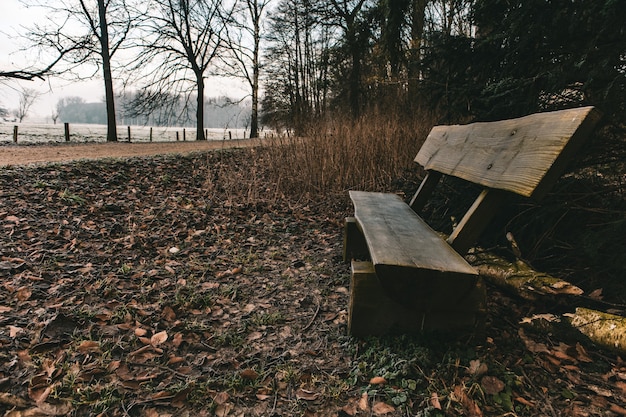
{"x": 340, "y": 155}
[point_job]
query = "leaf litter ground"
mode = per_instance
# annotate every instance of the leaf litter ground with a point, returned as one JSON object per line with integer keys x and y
{"x": 188, "y": 286}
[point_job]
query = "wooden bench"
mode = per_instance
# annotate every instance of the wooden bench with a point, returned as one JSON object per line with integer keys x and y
{"x": 405, "y": 277}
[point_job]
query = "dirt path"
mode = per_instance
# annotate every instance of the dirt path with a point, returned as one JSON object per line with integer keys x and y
{"x": 22, "y": 155}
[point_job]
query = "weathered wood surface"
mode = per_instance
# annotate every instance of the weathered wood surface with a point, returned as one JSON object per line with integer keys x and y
{"x": 475, "y": 220}
{"x": 373, "y": 312}
{"x": 525, "y": 155}
{"x": 415, "y": 265}
{"x": 397, "y": 236}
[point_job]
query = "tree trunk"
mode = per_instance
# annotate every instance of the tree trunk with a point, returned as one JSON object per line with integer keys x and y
{"x": 108, "y": 78}
{"x": 254, "y": 116}
{"x": 520, "y": 278}
{"x": 354, "y": 82}
{"x": 417, "y": 32}
{"x": 200, "y": 108}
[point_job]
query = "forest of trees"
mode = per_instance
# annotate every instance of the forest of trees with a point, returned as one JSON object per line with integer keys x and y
{"x": 312, "y": 60}
{"x": 464, "y": 59}
{"x": 220, "y": 112}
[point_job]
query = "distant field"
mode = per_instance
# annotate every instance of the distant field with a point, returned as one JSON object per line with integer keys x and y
{"x": 48, "y": 133}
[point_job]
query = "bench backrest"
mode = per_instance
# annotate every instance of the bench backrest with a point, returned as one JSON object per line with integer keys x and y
{"x": 524, "y": 156}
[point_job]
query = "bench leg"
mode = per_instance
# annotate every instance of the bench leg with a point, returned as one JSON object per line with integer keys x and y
{"x": 354, "y": 244}
{"x": 372, "y": 313}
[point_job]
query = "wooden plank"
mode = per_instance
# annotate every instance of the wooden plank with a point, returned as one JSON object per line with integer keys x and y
{"x": 424, "y": 191}
{"x": 525, "y": 155}
{"x": 372, "y": 312}
{"x": 354, "y": 245}
{"x": 413, "y": 262}
{"x": 466, "y": 233}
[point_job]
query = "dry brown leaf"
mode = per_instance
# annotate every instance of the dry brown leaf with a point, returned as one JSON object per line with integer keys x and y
{"x": 221, "y": 398}
{"x": 307, "y": 395}
{"x": 581, "y": 354}
{"x": 459, "y": 395}
{"x": 223, "y": 410}
{"x": 168, "y": 314}
{"x": 88, "y": 346}
{"x": 618, "y": 409}
{"x": 254, "y": 336}
{"x": 14, "y": 331}
{"x": 158, "y": 338}
{"x": 364, "y": 402}
{"x": 139, "y": 332}
{"x": 531, "y": 345}
{"x": 177, "y": 339}
{"x": 434, "y": 401}
{"x": 596, "y": 294}
{"x": 175, "y": 359}
{"x": 378, "y": 380}
{"x": 4, "y": 309}
{"x": 249, "y": 374}
{"x": 491, "y": 385}
{"x": 523, "y": 401}
{"x": 381, "y": 408}
{"x": 23, "y": 293}
{"x": 477, "y": 367}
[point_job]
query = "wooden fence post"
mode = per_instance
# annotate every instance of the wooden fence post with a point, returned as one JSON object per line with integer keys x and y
{"x": 15, "y": 133}
{"x": 150, "y": 133}
{"x": 177, "y": 136}
{"x": 230, "y": 135}
{"x": 66, "y": 126}
{"x": 184, "y": 135}
{"x": 128, "y": 134}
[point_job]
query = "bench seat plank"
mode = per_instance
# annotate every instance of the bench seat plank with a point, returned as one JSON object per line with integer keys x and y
{"x": 397, "y": 236}
{"x": 414, "y": 264}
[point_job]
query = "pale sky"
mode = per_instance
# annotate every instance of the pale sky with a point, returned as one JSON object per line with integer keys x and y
{"x": 13, "y": 16}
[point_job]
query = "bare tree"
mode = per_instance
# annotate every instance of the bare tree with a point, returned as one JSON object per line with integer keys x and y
{"x": 90, "y": 32}
{"x": 28, "y": 96}
{"x": 179, "y": 41}
{"x": 243, "y": 40}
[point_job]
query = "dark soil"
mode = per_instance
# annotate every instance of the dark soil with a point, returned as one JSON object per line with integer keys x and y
{"x": 186, "y": 285}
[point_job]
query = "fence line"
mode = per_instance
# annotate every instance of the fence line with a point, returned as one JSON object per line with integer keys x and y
{"x": 84, "y": 132}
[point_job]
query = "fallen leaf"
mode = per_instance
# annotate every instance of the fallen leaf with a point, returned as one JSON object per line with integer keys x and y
{"x": 364, "y": 402}
{"x": 524, "y": 401}
{"x": 254, "y": 336}
{"x": 223, "y": 410}
{"x": 381, "y": 408}
{"x": 168, "y": 314}
{"x": 596, "y": 294}
{"x": 88, "y": 346}
{"x": 158, "y": 338}
{"x": 477, "y": 367}
{"x": 618, "y": 410}
{"x": 378, "y": 380}
{"x": 581, "y": 354}
{"x": 23, "y": 293}
{"x": 14, "y": 331}
{"x": 459, "y": 395}
{"x": 531, "y": 345}
{"x": 221, "y": 398}
{"x": 303, "y": 394}
{"x": 434, "y": 401}
{"x": 491, "y": 385}
{"x": 249, "y": 374}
